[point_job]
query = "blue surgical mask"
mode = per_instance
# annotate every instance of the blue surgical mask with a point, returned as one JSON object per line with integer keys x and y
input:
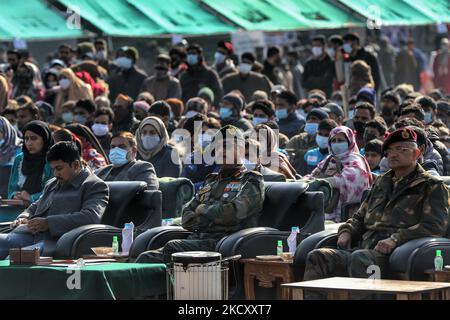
{"x": 124, "y": 63}
{"x": 282, "y": 113}
{"x": 339, "y": 148}
{"x": 118, "y": 156}
{"x": 428, "y": 119}
{"x": 347, "y": 47}
{"x": 2, "y": 141}
{"x": 331, "y": 52}
{"x": 258, "y": 120}
{"x": 192, "y": 59}
{"x": 219, "y": 58}
{"x": 311, "y": 128}
{"x": 301, "y": 113}
{"x": 79, "y": 119}
{"x": 351, "y": 113}
{"x": 67, "y": 117}
{"x": 150, "y": 142}
{"x": 225, "y": 112}
{"x": 322, "y": 142}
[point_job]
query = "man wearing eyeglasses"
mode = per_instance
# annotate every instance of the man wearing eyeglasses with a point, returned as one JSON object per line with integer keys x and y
{"x": 404, "y": 204}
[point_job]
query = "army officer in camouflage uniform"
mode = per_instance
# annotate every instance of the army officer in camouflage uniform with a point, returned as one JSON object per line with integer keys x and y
{"x": 404, "y": 204}
{"x": 228, "y": 201}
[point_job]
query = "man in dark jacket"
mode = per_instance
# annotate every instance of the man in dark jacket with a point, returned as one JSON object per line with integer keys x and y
{"x": 199, "y": 75}
{"x": 75, "y": 197}
{"x": 319, "y": 70}
{"x": 231, "y": 112}
{"x": 124, "y": 119}
{"x": 289, "y": 121}
{"x": 130, "y": 78}
{"x": 355, "y": 52}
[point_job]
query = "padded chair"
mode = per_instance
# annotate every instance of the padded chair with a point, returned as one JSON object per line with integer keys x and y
{"x": 286, "y": 204}
{"x": 176, "y": 193}
{"x": 128, "y": 202}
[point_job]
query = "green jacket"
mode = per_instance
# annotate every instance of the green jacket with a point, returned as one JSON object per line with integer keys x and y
{"x": 231, "y": 204}
{"x": 409, "y": 208}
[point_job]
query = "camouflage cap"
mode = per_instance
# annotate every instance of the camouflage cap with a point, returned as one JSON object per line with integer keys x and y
{"x": 400, "y": 135}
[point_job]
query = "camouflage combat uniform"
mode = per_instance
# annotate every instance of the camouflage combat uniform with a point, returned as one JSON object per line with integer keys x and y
{"x": 231, "y": 203}
{"x": 407, "y": 208}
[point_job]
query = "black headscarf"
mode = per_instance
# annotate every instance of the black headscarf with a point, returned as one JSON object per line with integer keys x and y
{"x": 83, "y": 131}
{"x": 33, "y": 164}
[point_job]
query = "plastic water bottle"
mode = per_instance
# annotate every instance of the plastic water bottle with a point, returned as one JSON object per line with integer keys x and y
{"x": 292, "y": 240}
{"x": 438, "y": 261}
{"x": 115, "y": 245}
{"x": 279, "y": 247}
{"x": 127, "y": 237}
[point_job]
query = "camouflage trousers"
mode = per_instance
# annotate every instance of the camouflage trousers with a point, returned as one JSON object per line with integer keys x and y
{"x": 326, "y": 262}
{"x": 164, "y": 254}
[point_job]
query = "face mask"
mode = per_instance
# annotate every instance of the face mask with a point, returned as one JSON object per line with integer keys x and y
{"x": 245, "y": 68}
{"x": 102, "y": 55}
{"x": 2, "y": 141}
{"x": 190, "y": 114}
{"x": 301, "y": 113}
{"x": 386, "y": 111}
{"x": 359, "y": 126}
{"x": 331, "y": 52}
{"x": 322, "y": 142}
{"x": 192, "y": 59}
{"x": 67, "y": 117}
{"x": 339, "y": 148}
{"x": 351, "y": 113}
{"x": 79, "y": 119}
{"x": 64, "y": 83}
{"x": 150, "y": 142}
{"x": 118, "y": 156}
{"x": 219, "y": 58}
{"x": 281, "y": 113}
{"x": 124, "y": 63}
{"x": 369, "y": 136}
{"x": 161, "y": 73}
{"x": 225, "y": 112}
{"x": 311, "y": 128}
{"x": 52, "y": 84}
{"x": 347, "y": 47}
{"x": 317, "y": 51}
{"x": 428, "y": 119}
{"x": 258, "y": 120}
{"x": 99, "y": 129}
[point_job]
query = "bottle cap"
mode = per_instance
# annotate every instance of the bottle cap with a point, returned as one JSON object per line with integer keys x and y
{"x": 293, "y": 229}
{"x": 280, "y": 242}
{"x": 438, "y": 253}
{"x": 114, "y": 238}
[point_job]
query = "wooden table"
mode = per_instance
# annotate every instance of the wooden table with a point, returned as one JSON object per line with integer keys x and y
{"x": 339, "y": 288}
{"x": 438, "y": 276}
{"x": 267, "y": 273}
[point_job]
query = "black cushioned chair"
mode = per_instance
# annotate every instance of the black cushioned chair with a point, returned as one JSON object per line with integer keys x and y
{"x": 286, "y": 204}
{"x": 128, "y": 202}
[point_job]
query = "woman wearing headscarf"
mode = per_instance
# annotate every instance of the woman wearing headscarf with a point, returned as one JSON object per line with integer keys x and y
{"x": 92, "y": 151}
{"x": 345, "y": 169}
{"x": 30, "y": 170}
{"x": 10, "y": 144}
{"x": 152, "y": 143}
{"x": 71, "y": 88}
{"x": 268, "y": 141}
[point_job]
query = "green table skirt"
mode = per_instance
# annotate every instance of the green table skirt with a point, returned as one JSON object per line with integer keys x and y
{"x": 97, "y": 282}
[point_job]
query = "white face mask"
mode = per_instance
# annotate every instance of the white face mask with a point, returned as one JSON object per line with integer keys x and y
{"x": 331, "y": 52}
{"x": 245, "y": 68}
{"x": 347, "y": 47}
{"x": 67, "y": 117}
{"x": 124, "y": 63}
{"x": 150, "y": 142}
{"x": 219, "y": 58}
{"x": 102, "y": 55}
{"x": 191, "y": 114}
{"x": 99, "y": 129}
{"x": 317, "y": 51}
{"x": 64, "y": 83}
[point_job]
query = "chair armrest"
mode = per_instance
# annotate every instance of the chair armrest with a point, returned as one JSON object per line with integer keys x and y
{"x": 79, "y": 241}
{"x": 156, "y": 238}
{"x": 413, "y": 257}
{"x": 315, "y": 204}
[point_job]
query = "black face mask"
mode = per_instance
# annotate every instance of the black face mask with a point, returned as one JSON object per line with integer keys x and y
{"x": 369, "y": 136}
{"x": 359, "y": 126}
